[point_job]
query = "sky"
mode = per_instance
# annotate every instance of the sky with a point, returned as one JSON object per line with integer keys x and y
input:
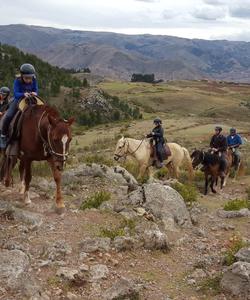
{"x": 205, "y": 19}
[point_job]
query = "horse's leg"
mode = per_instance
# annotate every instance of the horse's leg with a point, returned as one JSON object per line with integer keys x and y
{"x": 27, "y": 179}
{"x": 223, "y": 181}
{"x": 206, "y": 184}
{"x": 22, "y": 173}
{"x": 60, "y": 207}
{"x": 213, "y": 179}
{"x": 142, "y": 171}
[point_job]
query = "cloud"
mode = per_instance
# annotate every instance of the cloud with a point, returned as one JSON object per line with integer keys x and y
{"x": 215, "y": 2}
{"x": 240, "y": 10}
{"x": 209, "y": 13}
{"x": 169, "y": 14}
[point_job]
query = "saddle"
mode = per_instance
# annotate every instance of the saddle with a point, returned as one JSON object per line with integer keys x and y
{"x": 166, "y": 152}
{"x": 16, "y": 124}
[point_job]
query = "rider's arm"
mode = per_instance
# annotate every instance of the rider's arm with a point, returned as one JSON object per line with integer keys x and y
{"x": 18, "y": 93}
{"x": 159, "y": 133}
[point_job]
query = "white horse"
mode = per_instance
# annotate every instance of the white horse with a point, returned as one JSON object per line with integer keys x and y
{"x": 141, "y": 151}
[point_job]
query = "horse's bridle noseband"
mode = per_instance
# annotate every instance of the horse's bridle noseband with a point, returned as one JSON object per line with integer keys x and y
{"x": 131, "y": 153}
{"x": 48, "y": 144}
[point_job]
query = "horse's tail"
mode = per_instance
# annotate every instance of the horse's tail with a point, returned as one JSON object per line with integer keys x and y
{"x": 189, "y": 163}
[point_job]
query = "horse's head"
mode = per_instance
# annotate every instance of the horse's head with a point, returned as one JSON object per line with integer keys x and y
{"x": 197, "y": 158}
{"x": 121, "y": 149}
{"x": 59, "y": 138}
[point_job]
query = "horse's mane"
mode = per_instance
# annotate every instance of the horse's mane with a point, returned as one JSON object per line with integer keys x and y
{"x": 52, "y": 111}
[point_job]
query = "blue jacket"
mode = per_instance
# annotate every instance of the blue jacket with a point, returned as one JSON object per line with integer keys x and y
{"x": 21, "y": 87}
{"x": 234, "y": 140}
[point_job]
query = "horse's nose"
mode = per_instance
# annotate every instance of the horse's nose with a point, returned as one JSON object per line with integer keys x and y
{"x": 116, "y": 158}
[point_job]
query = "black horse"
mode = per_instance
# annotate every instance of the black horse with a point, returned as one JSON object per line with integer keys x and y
{"x": 211, "y": 164}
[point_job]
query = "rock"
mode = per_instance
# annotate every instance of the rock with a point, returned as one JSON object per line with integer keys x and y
{"x": 73, "y": 276}
{"x": 243, "y": 254}
{"x": 123, "y": 243}
{"x": 236, "y": 280}
{"x": 71, "y": 296}
{"x": 233, "y": 214}
{"x": 106, "y": 206}
{"x": 123, "y": 289}
{"x": 163, "y": 202}
{"x": 117, "y": 175}
{"x": 57, "y": 251}
{"x": 98, "y": 272}
{"x": 67, "y": 273}
{"x": 198, "y": 274}
{"x": 20, "y": 215}
{"x": 155, "y": 240}
{"x": 95, "y": 244}
{"x": 140, "y": 211}
{"x": 14, "y": 265}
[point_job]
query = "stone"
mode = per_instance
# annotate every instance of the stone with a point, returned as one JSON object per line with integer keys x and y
{"x": 163, "y": 202}
{"x": 71, "y": 296}
{"x": 67, "y": 273}
{"x": 233, "y": 214}
{"x": 95, "y": 244}
{"x": 14, "y": 265}
{"x": 236, "y": 280}
{"x": 58, "y": 251}
{"x": 123, "y": 289}
{"x": 99, "y": 271}
{"x": 243, "y": 254}
{"x": 198, "y": 274}
{"x": 123, "y": 243}
{"x": 155, "y": 240}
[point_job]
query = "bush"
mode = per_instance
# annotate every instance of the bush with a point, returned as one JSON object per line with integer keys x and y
{"x": 95, "y": 200}
{"x": 237, "y": 204}
{"x": 111, "y": 233}
{"x": 162, "y": 173}
{"x": 211, "y": 284}
{"x": 234, "y": 245}
{"x": 188, "y": 192}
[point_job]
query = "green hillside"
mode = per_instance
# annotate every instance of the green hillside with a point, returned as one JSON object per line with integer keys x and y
{"x": 50, "y": 78}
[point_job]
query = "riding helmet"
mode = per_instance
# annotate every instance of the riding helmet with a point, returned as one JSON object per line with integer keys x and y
{"x": 157, "y": 121}
{"x": 4, "y": 91}
{"x": 28, "y": 70}
{"x": 233, "y": 130}
{"x": 219, "y": 128}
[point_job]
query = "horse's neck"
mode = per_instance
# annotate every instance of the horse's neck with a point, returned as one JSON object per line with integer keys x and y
{"x": 136, "y": 147}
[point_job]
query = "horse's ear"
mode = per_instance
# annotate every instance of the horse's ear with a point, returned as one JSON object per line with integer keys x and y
{"x": 53, "y": 121}
{"x": 70, "y": 121}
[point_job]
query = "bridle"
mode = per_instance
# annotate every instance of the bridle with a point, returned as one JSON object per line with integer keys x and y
{"x": 48, "y": 144}
{"x": 131, "y": 153}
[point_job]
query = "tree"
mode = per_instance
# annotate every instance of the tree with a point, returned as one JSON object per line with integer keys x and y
{"x": 85, "y": 83}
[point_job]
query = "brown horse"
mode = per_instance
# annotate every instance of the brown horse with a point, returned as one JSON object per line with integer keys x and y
{"x": 211, "y": 167}
{"x": 44, "y": 136}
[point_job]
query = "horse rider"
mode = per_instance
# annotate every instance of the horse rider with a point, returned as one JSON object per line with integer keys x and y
{"x": 157, "y": 136}
{"x": 25, "y": 85}
{"x": 4, "y": 99}
{"x": 234, "y": 141}
{"x": 218, "y": 145}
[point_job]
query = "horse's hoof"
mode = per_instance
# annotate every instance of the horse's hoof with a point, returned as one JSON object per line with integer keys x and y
{"x": 60, "y": 210}
{"x": 214, "y": 192}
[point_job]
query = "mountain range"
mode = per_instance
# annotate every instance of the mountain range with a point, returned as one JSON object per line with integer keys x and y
{"x": 118, "y": 56}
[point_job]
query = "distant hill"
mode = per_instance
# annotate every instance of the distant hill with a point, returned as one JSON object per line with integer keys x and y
{"x": 118, "y": 56}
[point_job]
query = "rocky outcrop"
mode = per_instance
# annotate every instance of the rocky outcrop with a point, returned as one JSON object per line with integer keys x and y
{"x": 96, "y": 244}
{"x": 233, "y": 214}
{"x": 163, "y": 203}
{"x": 243, "y": 254}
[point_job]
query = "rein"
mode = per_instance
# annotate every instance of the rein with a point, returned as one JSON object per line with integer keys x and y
{"x": 47, "y": 144}
{"x": 131, "y": 153}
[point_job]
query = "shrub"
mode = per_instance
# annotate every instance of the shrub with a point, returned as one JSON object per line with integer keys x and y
{"x": 162, "y": 173}
{"x": 234, "y": 245}
{"x": 95, "y": 200}
{"x": 111, "y": 233}
{"x": 211, "y": 284}
{"x": 248, "y": 193}
{"x": 237, "y": 204}
{"x": 188, "y": 192}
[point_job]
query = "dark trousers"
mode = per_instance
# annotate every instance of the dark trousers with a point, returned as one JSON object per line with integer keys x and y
{"x": 159, "y": 151}
{"x": 223, "y": 163}
{"x": 13, "y": 108}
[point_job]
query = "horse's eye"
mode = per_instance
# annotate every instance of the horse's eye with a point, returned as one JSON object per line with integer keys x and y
{"x": 120, "y": 147}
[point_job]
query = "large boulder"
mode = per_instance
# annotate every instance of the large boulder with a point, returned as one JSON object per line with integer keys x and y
{"x": 123, "y": 289}
{"x": 155, "y": 240}
{"x": 116, "y": 175}
{"x": 163, "y": 202}
{"x": 14, "y": 265}
{"x": 236, "y": 280}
